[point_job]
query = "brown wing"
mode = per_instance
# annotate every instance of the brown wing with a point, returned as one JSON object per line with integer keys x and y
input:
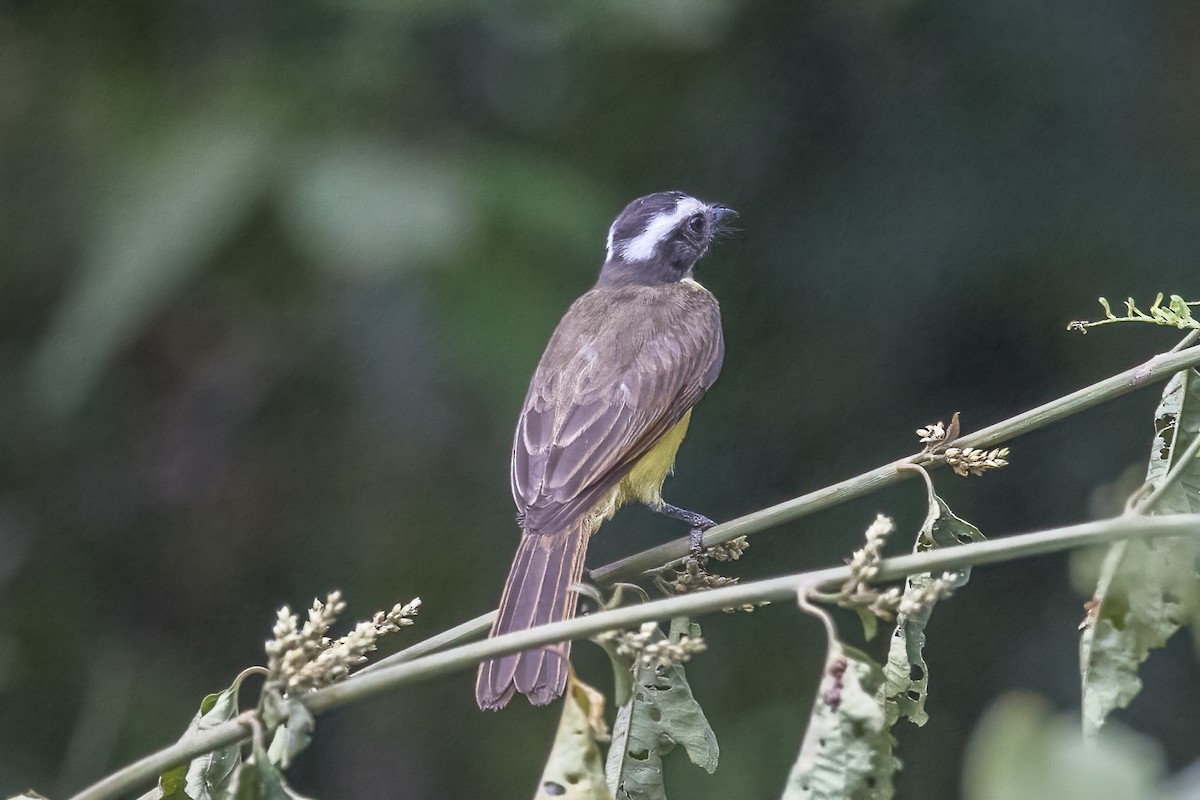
{"x": 622, "y": 369}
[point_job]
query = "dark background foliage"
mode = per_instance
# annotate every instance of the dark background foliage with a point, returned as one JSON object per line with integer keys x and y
{"x": 273, "y": 277}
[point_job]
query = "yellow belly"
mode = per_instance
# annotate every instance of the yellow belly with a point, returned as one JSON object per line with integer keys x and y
{"x": 645, "y": 481}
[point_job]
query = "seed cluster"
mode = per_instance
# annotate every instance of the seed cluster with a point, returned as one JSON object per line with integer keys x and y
{"x": 302, "y": 658}
{"x": 648, "y": 647}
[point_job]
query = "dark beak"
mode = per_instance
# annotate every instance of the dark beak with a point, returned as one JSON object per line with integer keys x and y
{"x": 722, "y": 216}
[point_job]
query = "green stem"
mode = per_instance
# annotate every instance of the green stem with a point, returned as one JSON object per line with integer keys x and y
{"x": 1187, "y": 341}
{"x": 1153, "y": 371}
{"x": 786, "y": 587}
{"x": 1156, "y": 369}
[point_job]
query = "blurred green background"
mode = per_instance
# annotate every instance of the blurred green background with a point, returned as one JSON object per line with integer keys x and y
{"x": 273, "y": 278}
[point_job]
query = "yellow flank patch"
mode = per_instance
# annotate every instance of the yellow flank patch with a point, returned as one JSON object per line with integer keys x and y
{"x": 693, "y": 284}
{"x": 644, "y": 482}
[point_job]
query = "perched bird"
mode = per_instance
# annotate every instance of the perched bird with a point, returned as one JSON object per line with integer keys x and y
{"x": 605, "y": 413}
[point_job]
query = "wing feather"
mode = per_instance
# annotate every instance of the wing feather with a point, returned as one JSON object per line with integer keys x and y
{"x": 622, "y": 369}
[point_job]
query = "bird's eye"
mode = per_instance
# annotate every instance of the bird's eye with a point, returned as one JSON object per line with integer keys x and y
{"x": 695, "y": 225}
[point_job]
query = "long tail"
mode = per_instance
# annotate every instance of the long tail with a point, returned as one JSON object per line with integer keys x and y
{"x": 538, "y": 591}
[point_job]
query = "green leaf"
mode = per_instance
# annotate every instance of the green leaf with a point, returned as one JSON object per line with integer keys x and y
{"x": 661, "y": 713}
{"x": 259, "y": 779}
{"x": 293, "y": 734}
{"x": 172, "y": 784}
{"x": 166, "y": 211}
{"x": 1147, "y": 590}
{"x": 870, "y": 622}
{"x": 1021, "y": 750}
{"x": 847, "y": 749}
{"x": 575, "y": 768}
{"x": 210, "y": 776}
{"x": 906, "y": 672}
{"x": 622, "y": 672}
{"x": 371, "y": 209}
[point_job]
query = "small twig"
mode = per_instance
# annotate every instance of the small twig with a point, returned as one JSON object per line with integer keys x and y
{"x": 1186, "y": 342}
{"x": 803, "y": 598}
{"x": 1153, "y": 371}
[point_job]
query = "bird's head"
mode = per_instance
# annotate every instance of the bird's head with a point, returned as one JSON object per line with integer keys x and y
{"x": 660, "y": 237}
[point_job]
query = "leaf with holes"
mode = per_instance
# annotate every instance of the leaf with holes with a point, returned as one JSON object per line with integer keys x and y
{"x": 575, "y": 769}
{"x": 1147, "y": 590}
{"x": 906, "y": 672}
{"x": 661, "y": 714}
{"x": 847, "y": 749}
{"x": 1176, "y": 427}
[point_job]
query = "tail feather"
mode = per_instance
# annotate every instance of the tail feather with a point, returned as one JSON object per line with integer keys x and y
{"x": 538, "y": 591}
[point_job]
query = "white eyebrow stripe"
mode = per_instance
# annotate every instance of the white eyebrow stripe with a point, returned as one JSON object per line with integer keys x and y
{"x": 642, "y": 248}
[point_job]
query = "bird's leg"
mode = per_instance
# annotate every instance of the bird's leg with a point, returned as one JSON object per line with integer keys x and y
{"x": 698, "y": 522}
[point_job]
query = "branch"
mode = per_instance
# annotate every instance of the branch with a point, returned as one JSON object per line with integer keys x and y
{"x": 1129, "y": 526}
{"x": 1153, "y": 371}
{"x": 1156, "y": 369}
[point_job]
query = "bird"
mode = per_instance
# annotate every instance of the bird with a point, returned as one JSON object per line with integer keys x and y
{"x": 606, "y": 411}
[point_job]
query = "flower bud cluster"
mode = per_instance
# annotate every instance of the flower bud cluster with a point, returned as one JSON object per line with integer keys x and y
{"x": 729, "y": 551}
{"x": 932, "y": 434}
{"x": 972, "y": 461}
{"x": 302, "y": 658}
{"x": 648, "y": 647}
{"x": 917, "y": 600}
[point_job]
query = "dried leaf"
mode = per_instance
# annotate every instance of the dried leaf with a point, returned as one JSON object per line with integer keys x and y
{"x": 1147, "y": 590}
{"x": 575, "y": 768}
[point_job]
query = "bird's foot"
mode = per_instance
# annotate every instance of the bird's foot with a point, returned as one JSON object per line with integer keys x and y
{"x": 698, "y": 523}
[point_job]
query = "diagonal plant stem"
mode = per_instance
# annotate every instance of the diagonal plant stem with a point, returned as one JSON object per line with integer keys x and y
{"x": 1156, "y": 369}
{"x": 1153, "y": 371}
{"x": 1128, "y": 526}
{"x": 1186, "y": 341}
{"x": 1183, "y": 356}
